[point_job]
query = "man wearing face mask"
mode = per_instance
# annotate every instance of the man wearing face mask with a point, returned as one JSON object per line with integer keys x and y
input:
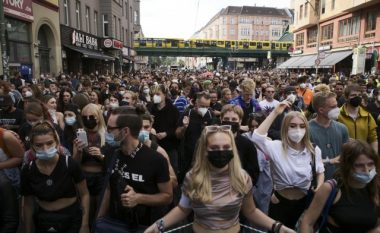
{"x": 359, "y": 122}
{"x": 179, "y": 101}
{"x": 305, "y": 92}
{"x": 10, "y": 117}
{"x": 190, "y": 126}
{"x": 328, "y": 134}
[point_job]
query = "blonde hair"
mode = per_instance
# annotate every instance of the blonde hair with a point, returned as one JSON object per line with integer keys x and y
{"x": 284, "y": 132}
{"x": 247, "y": 85}
{"x": 321, "y": 88}
{"x": 199, "y": 188}
{"x": 101, "y": 127}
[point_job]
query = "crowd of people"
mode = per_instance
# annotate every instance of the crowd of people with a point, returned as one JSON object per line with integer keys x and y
{"x": 151, "y": 150}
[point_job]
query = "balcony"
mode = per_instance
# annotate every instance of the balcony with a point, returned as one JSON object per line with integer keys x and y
{"x": 136, "y": 28}
{"x": 355, "y": 5}
{"x": 305, "y": 19}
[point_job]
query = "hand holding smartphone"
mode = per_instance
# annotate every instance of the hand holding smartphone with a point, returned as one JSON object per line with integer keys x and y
{"x": 82, "y": 136}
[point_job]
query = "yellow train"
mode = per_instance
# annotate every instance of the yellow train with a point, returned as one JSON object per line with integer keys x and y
{"x": 210, "y": 43}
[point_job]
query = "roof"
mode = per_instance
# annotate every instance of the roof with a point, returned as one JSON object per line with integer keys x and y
{"x": 288, "y": 36}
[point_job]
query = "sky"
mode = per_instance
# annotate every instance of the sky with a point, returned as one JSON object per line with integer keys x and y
{"x": 182, "y": 18}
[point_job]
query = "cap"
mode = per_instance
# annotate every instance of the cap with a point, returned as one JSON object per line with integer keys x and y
{"x": 6, "y": 100}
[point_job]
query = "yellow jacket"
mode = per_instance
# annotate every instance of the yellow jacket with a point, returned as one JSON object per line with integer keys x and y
{"x": 364, "y": 127}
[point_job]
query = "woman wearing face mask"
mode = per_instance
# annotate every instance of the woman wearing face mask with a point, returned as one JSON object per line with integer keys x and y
{"x": 90, "y": 156}
{"x": 355, "y": 208}
{"x": 292, "y": 159}
{"x": 51, "y": 104}
{"x": 73, "y": 122}
{"x": 129, "y": 99}
{"x": 55, "y": 184}
{"x": 217, "y": 189}
{"x": 145, "y": 94}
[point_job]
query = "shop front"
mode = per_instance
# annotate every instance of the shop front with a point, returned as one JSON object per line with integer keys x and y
{"x": 114, "y": 48}
{"x": 82, "y": 53}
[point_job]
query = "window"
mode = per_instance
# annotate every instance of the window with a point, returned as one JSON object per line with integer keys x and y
{"x": 312, "y": 35}
{"x": 126, "y": 10}
{"x": 95, "y": 23}
{"x": 224, "y": 31}
{"x": 323, "y": 9}
{"x": 131, "y": 14}
{"x": 224, "y": 20}
{"x": 350, "y": 26}
{"x": 300, "y": 39}
{"x": 87, "y": 19}
{"x": 114, "y": 27}
{"x": 244, "y": 32}
{"x": 66, "y": 12}
{"x": 105, "y": 26}
{"x": 122, "y": 34}
{"x": 276, "y": 33}
{"x": 370, "y": 23}
{"x": 306, "y": 9}
{"x": 77, "y": 14}
{"x": 327, "y": 32}
{"x": 232, "y": 32}
{"x": 120, "y": 38}
{"x": 332, "y": 4}
{"x": 126, "y": 36}
{"x": 232, "y": 20}
{"x": 136, "y": 17}
{"x": 301, "y": 10}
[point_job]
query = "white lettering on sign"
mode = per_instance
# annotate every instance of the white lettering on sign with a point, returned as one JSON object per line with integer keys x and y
{"x": 15, "y": 3}
{"x": 80, "y": 40}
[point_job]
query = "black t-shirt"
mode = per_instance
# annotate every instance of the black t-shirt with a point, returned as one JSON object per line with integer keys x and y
{"x": 12, "y": 118}
{"x": 60, "y": 183}
{"x": 143, "y": 172}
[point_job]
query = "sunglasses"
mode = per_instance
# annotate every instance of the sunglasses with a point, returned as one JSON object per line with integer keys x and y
{"x": 216, "y": 128}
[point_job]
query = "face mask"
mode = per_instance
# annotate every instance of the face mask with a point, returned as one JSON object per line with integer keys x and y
{"x": 124, "y": 103}
{"x": 219, "y": 158}
{"x": 355, "y": 102}
{"x": 28, "y": 94}
{"x": 156, "y": 99}
{"x": 143, "y": 135}
{"x": 146, "y": 91}
{"x": 110, "y": 140}
{"x": 70, "y": 120}
{"x": 202, "y": 111}
{"x": 291, "y": 98}
{"x": 296, "y": 135}
{"x": 235, "y": 126}
{"x": 364, "y": 177}
{"x": 121, "y": 92}
{"x": 303, "y": 85}
{"x": 114, "y": 105}
{"x": 173, "y": 92}
{"x": 89, "y": 123}
{"x": 333, "y": 114}
{"x": 46, "y": 154}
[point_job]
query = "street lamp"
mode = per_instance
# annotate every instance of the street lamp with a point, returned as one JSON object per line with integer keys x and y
{"x": 316, "y": 12}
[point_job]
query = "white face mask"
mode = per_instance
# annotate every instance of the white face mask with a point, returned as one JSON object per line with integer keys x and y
{"x": 114, "y": 105}
{"x": 333, "y": 113}
{"x": 28, "y": 94}
{"x": 303, "y": 85}
{"x": 202, "y": 111}
{"x": 296, "y": 135}
{"x": 146, "y": 90}
{"x": 121, "y": 92}
{"x": 156, "y": 99}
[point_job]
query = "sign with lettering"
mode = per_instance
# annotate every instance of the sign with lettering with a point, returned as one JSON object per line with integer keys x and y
{"x": 21, "y": 9}
{"x": 107, "y": 43}
{"x": 80, "y": 39}
{"x": 112, "y": 43}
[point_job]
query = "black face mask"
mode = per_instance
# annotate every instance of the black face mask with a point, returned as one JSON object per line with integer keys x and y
{"x": 235, "y": 126}
{"x": 173, "y": 92}
{"x": 89, "y": 123}
{"x": 124, "y": 103}
{"x": 355, "y": 101}
{"x": 220, "y": 158}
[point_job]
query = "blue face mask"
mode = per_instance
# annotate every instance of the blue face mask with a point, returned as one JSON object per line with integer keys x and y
{"x": 46, "y": 154}
{"x": 110, "y": 140}
{"x": 143, "y": 136}
{"x": 70, "y": 120}
{"x": 364, "y": 177}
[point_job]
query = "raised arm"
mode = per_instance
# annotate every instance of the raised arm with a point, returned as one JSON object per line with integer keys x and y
{"x": 264, "y": 127}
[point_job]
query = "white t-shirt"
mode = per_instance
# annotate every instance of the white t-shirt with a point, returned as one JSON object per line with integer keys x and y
{"x": 292, "y": 168}
{"x": 268, "y": 106}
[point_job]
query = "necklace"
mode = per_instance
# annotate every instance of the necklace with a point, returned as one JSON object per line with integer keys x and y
{"x": 134, "y": 152}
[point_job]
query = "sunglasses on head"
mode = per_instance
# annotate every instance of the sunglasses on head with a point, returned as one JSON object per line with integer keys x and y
{"x": 216, "y": 128}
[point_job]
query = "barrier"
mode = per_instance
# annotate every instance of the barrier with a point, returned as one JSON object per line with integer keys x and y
{"x": 187, "y": 229}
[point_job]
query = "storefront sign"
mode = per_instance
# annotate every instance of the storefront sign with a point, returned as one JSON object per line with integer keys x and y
{"x": 85, "y": 41}
{"x": 324, "y": 48}
{"x": 112, "y": 43}
{"x": 21, "y": 9}
{"x": 125, "y": 52}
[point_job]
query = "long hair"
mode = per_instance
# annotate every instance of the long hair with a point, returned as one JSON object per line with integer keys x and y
{"x": 350, "y": 152}
{"x": 284, "y": 132}
{"x": 200, "y": 183}
{"x": 101, "y": 127}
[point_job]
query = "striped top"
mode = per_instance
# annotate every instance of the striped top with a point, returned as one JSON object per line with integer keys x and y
{"x": 180, "y": 102}
{"x": 223, "y": 211}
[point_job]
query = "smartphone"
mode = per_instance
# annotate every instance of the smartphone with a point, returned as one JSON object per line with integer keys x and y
{"x": 82, "y": 135}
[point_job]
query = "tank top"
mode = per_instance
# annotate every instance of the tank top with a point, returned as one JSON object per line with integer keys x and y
{"x": 354, "y": 212}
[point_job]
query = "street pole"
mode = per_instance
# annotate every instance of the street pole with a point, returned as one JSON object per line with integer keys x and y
{"x": 318, "y": 40}
{"x": 3, "y": 42}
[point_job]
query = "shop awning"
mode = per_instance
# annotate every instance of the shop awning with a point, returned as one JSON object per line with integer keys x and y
{"x": 302, "y": 62}
{"x": 288, "y": 62}
{"x": 308, "y": 62}
{"x": 332, "y": 58}
{"x": 91, "y": 54}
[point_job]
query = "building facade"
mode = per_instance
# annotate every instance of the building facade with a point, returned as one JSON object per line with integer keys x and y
{"x": 336, "y": 35}
{"x": 246, "y": 23}
{"x": 32, "y": 37}
{"x": 97, "y": 35}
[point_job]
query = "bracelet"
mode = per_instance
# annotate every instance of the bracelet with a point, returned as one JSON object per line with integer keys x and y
{"x": 160, "y": 225}
{"x": 274, "y": 226}
{"x": 278, "y": 227}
